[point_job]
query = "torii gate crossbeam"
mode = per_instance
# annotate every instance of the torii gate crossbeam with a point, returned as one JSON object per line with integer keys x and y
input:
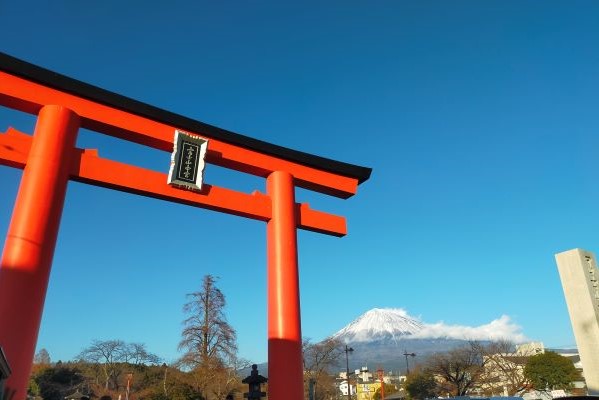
{"x": 50, "y": 159}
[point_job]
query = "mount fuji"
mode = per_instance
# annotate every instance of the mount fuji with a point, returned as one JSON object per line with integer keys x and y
{"x": 380, "y": 337}
{"x": 380, "y": 324}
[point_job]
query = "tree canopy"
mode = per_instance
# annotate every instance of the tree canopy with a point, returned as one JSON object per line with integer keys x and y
{"x": 110, "y": 369}
{"x": 207, "y": 337}
{"x": 209, "y": 342}
{"x": 550, "y": 371}
{"x": 53, "y": 383}
{"x": 460, "y": 368}
{"x": 421, "y": 385}
{"x": 113, "y": 355}
{"x": 319, "y": 359}
{"x": 42, "y": 357}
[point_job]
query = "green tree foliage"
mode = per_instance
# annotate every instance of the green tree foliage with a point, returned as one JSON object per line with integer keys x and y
{"x": 207, "y": 370}
{"x": 33, "y": 389}
{"x": 550, "y": 371}
{"x": 421, "y": 385}
{"x": 164, "y": 383}
{"x": 53, "y": 383}
{"x": 150, "y": 382}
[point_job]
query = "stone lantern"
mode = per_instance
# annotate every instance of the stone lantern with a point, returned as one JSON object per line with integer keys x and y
{"x": 255, "y": 382}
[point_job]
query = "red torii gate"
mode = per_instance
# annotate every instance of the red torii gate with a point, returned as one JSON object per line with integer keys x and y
{"x": 49, "y": 159}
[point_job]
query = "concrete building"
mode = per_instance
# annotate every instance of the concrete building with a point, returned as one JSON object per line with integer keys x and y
{"x": 530, "y": 349}
{"x": 344, "y": 387}
{"x": 363, "y": 374}
{"x": 366, "y": 390}
{"x": 579, "y": 275}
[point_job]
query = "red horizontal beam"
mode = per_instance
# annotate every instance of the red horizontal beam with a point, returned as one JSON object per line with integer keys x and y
{"x": 88, "y": 167}
{"x": 29, "y": 97}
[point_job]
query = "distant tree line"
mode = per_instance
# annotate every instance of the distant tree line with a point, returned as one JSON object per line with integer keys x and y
{"x": 135, "y": 381}
{"x": 489, "y": 369}
{"x": 209, "y": 367}
{"x": 483, "y": 369}
{"x": 114, "y": 369}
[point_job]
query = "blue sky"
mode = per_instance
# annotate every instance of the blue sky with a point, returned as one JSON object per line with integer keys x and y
{"x": 479, "y": 120}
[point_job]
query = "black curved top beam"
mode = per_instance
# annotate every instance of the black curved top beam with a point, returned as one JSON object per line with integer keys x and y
{"x": 23, "y": 69}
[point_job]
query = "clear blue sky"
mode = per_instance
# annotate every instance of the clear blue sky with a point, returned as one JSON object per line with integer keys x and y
{"x": 479, "y": 120}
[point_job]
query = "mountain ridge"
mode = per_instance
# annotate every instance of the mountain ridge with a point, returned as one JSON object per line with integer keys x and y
{"x": 381, "y": 336}
{"x": 380, "y": 324}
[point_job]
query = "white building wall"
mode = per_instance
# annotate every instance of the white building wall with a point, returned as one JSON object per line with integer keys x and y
{"x": 580, "y": 281}
{"x": 530, "y": 349}
{"x": 343, "y": 389}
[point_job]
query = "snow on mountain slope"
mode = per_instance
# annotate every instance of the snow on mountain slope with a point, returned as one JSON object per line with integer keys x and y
{"x": 393, "y": 324}
{"x": 380, "y": 324}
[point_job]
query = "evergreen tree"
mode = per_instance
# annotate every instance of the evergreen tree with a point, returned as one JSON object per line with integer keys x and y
{"x": 550, "y": 371}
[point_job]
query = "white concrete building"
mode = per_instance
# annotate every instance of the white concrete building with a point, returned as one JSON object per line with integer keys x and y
{"x": 580, "y": 281}
{"x": 530, "y": 349}
{"x": 343, "y": 387}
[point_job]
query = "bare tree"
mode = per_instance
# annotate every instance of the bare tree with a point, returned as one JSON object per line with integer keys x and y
{"x": 207, "y": 339}
{"x": 206, "y": 335}
{"x": 136, "y": 353}
{"x": 227, "y": 380}
{"x": 113, "y": 356}
{"x": 460, "y": 369}
{"x": 42, "y": 357}
{"x": 110, "y": 354}
{"x": 504, "y": 369}
{"x": 319, "y": 358}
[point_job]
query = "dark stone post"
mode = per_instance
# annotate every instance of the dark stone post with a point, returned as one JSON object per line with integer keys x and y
{"x": 255, "y": 382}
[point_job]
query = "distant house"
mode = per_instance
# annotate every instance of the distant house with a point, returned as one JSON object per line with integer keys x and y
{"x": 343, "y": 388}
{"x": 367, "y": 390}
{"x": 365, "y": 384}
{"x": 530, "y": 349}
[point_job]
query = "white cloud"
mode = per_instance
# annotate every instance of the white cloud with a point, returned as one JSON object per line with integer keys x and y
{"x": 501, "y": 328}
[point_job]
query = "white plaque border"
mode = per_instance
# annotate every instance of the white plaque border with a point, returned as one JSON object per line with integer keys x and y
{"x": 180, "y": 137}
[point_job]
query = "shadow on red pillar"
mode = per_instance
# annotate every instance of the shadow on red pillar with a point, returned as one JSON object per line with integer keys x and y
{"x": 285, "y": 368}
{"x": 31, "y": 239}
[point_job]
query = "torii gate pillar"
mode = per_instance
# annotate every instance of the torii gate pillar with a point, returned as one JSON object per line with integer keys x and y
{"x": 31, "y": 239}
{"x": 285, "y": 368}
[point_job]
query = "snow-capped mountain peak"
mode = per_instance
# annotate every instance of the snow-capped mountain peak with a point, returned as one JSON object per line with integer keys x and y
{"x": 380, "y": 324}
